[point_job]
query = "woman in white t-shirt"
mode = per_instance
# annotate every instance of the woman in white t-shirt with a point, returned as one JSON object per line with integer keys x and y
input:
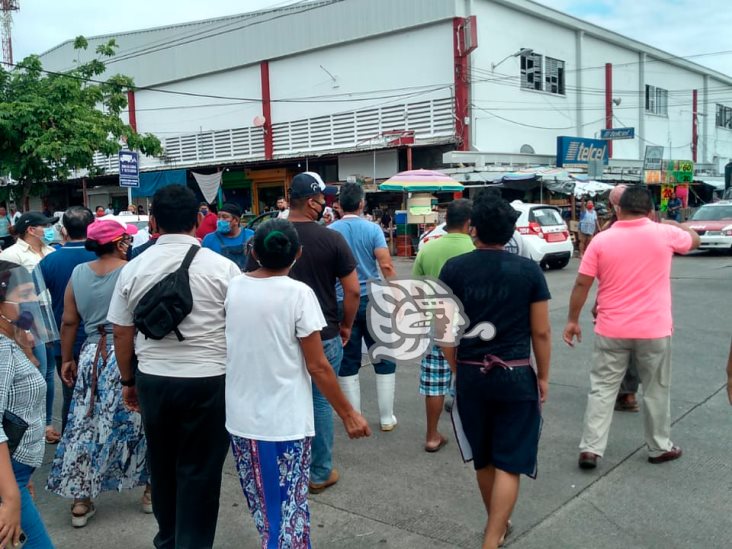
{"x": 273, "y": 344}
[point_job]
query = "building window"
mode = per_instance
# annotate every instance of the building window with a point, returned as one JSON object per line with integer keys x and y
{"x": 531, "y": 71}
{"x": 724, "y": 117}
{"x": 656, "y": 100}
{"x": 554, "y": 75}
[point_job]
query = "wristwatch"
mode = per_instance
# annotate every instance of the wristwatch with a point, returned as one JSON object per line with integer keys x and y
{"x": 128, "y": 383}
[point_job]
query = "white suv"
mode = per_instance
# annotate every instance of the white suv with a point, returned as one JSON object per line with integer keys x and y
{"x": 545, "y": 234}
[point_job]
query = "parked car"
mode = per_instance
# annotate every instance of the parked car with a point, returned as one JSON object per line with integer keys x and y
{"x": 713, "y": 224}
{"x": 541, "y": 234}
{"x": 261, "y": 218}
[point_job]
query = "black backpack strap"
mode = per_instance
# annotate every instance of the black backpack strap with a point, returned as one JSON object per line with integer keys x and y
{"x": 189, "y": 257}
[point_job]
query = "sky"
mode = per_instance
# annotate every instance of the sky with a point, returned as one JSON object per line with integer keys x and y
{"x": 680, "y": 27}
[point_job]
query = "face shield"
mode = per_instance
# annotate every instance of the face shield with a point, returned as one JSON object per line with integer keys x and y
{"x": 25, "y": 303}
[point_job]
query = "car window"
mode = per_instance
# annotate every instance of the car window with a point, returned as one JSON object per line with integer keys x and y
{"x": 545, "y": 217}
{"x": 713, "y": 213}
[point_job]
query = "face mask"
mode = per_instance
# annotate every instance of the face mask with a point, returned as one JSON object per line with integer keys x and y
{"x": 321, "y": 211}
{"x": 49, "y": 235}
{"x": 25, "y": 317}
{"x": 223, "y": 226}
{"x": 204, "y": 211}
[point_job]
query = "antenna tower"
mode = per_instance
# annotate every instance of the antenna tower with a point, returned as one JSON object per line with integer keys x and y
{"x": 8, "y": 7}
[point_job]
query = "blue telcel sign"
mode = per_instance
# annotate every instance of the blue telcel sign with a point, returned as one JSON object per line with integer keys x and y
{"x": 580, "y": 151}
{"x": 617, "y": 133}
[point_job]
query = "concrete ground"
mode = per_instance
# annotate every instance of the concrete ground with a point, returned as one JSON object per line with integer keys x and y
{"x": 393, "y": 494}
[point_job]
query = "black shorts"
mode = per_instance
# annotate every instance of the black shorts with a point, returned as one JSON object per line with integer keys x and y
{"x": 501, "y": 418}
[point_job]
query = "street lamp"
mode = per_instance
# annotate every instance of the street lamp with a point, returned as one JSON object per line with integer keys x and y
{"x": 522, "y": 51}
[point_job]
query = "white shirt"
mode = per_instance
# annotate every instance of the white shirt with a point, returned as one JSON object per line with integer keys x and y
{"x": 22, "y": 254}
{"x": 268, "y": 388}
{"x": 284, "y": 214}
{"x": 203, "y": 352}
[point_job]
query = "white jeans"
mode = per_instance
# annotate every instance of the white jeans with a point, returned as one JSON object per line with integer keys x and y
{"x": 610, "y": 361}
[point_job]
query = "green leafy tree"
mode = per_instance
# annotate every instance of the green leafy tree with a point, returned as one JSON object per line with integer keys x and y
{"x": 52, "y": 124}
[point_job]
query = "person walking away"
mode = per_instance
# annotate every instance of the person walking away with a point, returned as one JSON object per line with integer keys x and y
{"x": 35, "y": 233}
{"x": 588, "y": 226}
{"x": 499, "y": 393}
{"x": 207, "y": 220}
{"x": 326, "y": 259}
{"x": 673, "y": 209}
{"x": 179, "y": 385}
{"x": 56, "y": 271}
{"x": 627, "y": 400}
{"x": 6, "y": 239}
{"x": 22, "y": 397}
{"x": 229, "y": 239}
{"x": 632, "y": 262}
{"x": 368, "y": 245}
{"x": 103, "y": 446}
{"x": 435, "y": 374}
{"x": 269, "y": 404}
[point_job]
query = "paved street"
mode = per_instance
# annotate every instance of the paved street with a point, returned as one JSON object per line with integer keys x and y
{"x": 393, "y": 494}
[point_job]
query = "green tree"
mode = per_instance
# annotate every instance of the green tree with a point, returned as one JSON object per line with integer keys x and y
{"x": 52, "y": 124}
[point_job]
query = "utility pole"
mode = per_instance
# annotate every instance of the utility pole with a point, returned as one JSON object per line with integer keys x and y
{"x": 8, "y": 7}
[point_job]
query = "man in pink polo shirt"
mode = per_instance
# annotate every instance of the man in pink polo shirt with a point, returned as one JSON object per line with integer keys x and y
{"x": 632, "y": 263}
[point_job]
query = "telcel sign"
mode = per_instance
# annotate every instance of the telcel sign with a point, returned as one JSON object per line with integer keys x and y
{"x": 579, "y": 151}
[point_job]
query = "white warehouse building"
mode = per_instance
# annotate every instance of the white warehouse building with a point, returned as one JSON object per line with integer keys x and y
{"x": 366, "y": 88}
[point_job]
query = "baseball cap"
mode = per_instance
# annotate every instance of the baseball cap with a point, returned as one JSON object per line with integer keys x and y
{"x": 307, "y": 184}
{"x": 105, "y": 231}
{"x": 33, "y": 219}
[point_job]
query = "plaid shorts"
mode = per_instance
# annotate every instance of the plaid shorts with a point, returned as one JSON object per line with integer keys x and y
{"x": 435, "y": 374}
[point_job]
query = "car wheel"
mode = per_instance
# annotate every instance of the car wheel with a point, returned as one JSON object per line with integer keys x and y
{"x": 559, "y": 263}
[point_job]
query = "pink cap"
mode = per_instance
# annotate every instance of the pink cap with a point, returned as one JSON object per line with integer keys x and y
{"x": 105, "y": 231}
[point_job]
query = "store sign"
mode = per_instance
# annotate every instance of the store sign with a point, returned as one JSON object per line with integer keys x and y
{"x": 679, "y": 171}
{"x": 579, "y": 151}
{"x": 618, "y": 133}
{"x": 653, "y": 159}
{"x": 129, "y": 173}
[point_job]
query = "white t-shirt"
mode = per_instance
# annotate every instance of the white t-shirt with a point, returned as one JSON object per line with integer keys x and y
{"x": 268, "y": 388}
{"x": 203, "y": 352}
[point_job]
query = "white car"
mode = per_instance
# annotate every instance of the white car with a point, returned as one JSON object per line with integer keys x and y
{"x": 713, "y": 223}
{"x": 541, "y": 234}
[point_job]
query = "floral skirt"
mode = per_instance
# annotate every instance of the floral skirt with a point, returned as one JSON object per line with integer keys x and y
{"x": 274, "y": 477}
{"x": 103, "y": 450}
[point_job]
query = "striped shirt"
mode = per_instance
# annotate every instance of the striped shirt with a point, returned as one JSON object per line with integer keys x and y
{"x": 22, "y": 392}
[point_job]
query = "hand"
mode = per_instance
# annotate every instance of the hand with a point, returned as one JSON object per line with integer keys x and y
{"x": 10, "y": 522}
{"x": 356, "y": 426}
{"x": 345, "y": 332}
{"x": 129, "y": 398}
{"x": 68, "y": 372}
{"x": 594, "y": 312}
{"x": 572, "y": 330}
{"x": 543, "y": 390}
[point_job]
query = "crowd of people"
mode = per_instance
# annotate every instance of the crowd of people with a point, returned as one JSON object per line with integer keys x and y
{"x": 209, "y": 338}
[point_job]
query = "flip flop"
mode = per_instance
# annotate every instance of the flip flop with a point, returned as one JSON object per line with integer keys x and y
{"x": 509, "y": 529}
{"x": 433, "y": 449}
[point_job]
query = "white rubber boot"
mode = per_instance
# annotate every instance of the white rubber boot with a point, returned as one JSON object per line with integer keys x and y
{"x": 351, "y": 387}
{"x": 385, "y": 385}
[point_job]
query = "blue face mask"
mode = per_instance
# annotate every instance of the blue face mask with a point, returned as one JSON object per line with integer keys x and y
{"x": 204, "y": 211}
{"x": 49, "y": 235}
{"x": 223, "y": 226}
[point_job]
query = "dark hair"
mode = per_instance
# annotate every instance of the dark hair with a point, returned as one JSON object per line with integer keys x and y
{"x": 75, "y": 220}
{"x": 95, "y": 209}
{"x": 493, "y": 218}
{"x": 12, "y": 275}
{"x": 176, "y": 209}
{"x": 458, "y": 213}
{"x": 636, "y": 200}
{"x": 350, "y": 197}
{"x": 280, "y": 198}
{"x": 100, "y": 249}
{"x": 276, "y": 244}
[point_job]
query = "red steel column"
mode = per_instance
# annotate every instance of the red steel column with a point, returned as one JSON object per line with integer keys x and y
{"x": 609, "y": 104}
{"x": 266, "y": 111}
{"x": 131, "y": 109}
{"x": 462, "y": 109}
{"x": 694, "y": 125}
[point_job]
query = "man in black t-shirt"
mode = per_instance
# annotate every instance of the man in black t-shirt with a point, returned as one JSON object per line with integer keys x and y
{"x": 326, "y": 258}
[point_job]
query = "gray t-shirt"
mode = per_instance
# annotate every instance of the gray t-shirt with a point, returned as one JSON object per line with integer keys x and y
{"x": 93, "y": 294}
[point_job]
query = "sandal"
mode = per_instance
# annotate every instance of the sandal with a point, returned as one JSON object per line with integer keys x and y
{"x": 52, "y": 435}
{"x": 509, "y": 529}
{"x": 147, "y": 506}
{"x": 433, "y": 449}
{"x": 81, "y": 511}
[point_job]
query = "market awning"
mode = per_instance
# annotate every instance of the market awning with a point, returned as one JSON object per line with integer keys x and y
{"x": 421, "y": 181}
{"x": 150, "y": 182}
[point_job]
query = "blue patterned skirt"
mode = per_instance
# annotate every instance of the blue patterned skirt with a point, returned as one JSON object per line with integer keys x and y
{"x": 103, "y": 447}
{"x": 274, "y": 477}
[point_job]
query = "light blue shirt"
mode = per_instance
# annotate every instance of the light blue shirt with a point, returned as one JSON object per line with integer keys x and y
{"x": 363, "y": 237}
